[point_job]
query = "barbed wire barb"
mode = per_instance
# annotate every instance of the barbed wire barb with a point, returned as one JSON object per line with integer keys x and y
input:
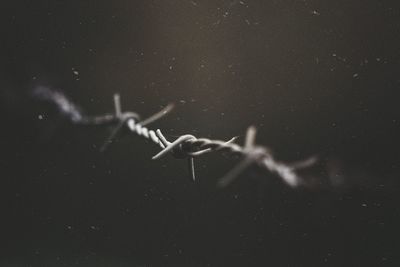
{"x": 124, "y": 117}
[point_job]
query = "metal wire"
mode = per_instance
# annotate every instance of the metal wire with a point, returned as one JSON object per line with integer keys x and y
{"x": 186, "y": 146}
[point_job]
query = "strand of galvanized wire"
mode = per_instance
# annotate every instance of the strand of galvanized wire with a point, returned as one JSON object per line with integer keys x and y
{"x": 185, "y": 146}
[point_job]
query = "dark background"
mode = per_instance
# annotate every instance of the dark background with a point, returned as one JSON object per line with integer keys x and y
{"x": 315, "y": 77}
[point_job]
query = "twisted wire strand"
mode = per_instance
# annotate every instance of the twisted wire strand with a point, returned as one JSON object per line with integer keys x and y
{"x": 185, "y": 146}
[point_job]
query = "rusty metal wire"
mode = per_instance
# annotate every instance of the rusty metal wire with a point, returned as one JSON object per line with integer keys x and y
{"x": 186, "y": 146}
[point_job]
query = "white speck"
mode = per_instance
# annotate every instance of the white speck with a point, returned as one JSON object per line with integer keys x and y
{"x": 75, "y": 71}
{"x": 315, "y": 13}
{"x": 355, "y": 75}
{"x": 41, "y": 117}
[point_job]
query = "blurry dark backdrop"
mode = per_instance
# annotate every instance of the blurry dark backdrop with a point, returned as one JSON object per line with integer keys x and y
{"x": 315, "y": 77}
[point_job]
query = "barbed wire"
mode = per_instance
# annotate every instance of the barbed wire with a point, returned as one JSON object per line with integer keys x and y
{"x": 186, "y": 146}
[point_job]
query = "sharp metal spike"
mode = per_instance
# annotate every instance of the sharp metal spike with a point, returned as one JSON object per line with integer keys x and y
{"x": 250, "y": 137}
{"x": 117, "y": 105}
{"x": 191, "y": 168}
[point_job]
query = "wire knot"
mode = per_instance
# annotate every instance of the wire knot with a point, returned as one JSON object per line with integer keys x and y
{"x": 178, "y": 148}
